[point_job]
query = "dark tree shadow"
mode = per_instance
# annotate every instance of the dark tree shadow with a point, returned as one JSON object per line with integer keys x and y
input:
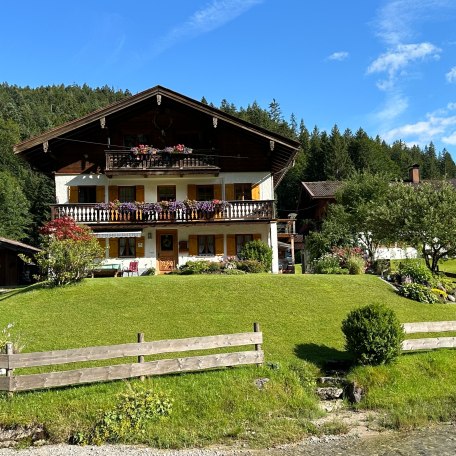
{"x": 20, "y": 289}
{"x": 325, "y": 357}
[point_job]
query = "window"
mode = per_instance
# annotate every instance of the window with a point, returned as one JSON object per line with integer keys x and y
{"x": 127, "y": 247}
{"x": 87, "y": 194}
{"x": 166, "y": 193}
{"x": 242, "y": 192}
{"x": 127, "y": 194}
{"x": 241, "y": 240}
{"x": 206, "y": 245}
{"x": 204, "y": 192}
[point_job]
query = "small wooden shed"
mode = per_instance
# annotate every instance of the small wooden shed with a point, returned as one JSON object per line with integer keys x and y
{"x": 14, "y": 271}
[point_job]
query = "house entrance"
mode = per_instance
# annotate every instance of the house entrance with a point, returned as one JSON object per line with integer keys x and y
{"x": 166, "y": 250}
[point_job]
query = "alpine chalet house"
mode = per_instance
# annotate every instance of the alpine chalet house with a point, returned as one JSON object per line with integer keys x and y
{"x": 162, "y": 179}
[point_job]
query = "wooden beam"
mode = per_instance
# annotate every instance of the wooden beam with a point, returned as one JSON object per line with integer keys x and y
{"x": 429, "y": 326}
{"x": 19, "y": 360}
{"x": 429, "y": 343}
{"x": 124, "y": 371}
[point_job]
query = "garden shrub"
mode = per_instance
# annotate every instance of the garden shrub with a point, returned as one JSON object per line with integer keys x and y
{"x": 356, "y": 265}
{"x": 373, "y": 334}
{"x": 134, "y": 409}
{"x": 328, "y": 264}
{"x": 250, "y": 266}
{"x": 416, "y": 270}
{"x": 195, "y": 267}
{"x": 259, "y": 251}
{"x": 418, "y": 292}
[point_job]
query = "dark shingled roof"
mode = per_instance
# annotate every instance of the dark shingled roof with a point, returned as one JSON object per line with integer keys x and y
{"x": 322, "y": 189}
{"x": 17, "y": 246}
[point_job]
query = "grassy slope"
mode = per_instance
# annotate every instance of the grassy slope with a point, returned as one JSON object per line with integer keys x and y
{"x": 300, "y": 316}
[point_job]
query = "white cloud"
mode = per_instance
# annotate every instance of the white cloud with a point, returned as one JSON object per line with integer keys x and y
{"x": 438, "y": 125}
{"x": 339, "y": 56}
{"x": 212, "y": 16}
{"x": 451, "y": 75}
{"x": 451, "y": 139}
{"x": 395, "y": 105}
{"x": 393, "y": 61}
{"x": 396, "y": 19}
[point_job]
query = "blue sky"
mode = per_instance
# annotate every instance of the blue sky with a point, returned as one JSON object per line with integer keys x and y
{"x": 388, "y": 66}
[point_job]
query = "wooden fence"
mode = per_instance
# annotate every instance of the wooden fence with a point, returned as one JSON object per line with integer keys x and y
{"x": 432, "y": 342}
{"x": 141, "y": 368}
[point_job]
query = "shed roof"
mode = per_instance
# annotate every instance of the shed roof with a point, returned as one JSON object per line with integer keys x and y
{"x": 10, "y": 244}
{"x": 322, "y": 189}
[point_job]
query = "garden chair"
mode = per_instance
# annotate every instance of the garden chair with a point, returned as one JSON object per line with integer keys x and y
{"x": 132, "y": 268}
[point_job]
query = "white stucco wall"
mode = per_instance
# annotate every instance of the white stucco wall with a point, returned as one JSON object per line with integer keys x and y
{"x": 63, "y": 181}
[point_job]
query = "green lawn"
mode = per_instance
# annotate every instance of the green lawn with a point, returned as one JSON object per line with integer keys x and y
{"x": 300, "y": 316}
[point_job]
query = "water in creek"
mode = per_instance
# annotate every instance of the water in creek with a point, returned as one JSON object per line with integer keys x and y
{"x": 436, "y": 441}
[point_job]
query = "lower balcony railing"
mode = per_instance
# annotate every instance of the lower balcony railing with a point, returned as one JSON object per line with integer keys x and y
{"x": 233, "y": 211}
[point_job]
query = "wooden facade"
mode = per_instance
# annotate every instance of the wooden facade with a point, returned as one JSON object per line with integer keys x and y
{"x": 13, "y": 270}
{"x": 160, "y": 147}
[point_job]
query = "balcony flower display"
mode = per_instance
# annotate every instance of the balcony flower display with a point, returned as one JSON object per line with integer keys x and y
{"x": 170, "y": 206}
{"x": 143, "y": 150}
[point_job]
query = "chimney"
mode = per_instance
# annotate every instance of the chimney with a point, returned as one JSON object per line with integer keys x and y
{"x": 414, "y": 174}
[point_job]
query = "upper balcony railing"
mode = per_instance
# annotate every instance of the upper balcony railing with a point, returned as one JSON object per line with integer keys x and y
{"x": 233, "y": 211}
{"x": 163, "y": 162}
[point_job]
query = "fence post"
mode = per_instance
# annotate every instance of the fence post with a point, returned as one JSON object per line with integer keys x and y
{"x": 141, "y": 357}
{"x": 9, "y": 372}
{"x": 256, "y": 328}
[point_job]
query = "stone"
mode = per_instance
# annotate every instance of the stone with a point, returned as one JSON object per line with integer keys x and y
{"x": 261, "y": 382}
{"x": 354, "y": 393}
{"x": 329, "y": 393}
{"x": 332, "y": 381}
{"x": 451, "y": 298}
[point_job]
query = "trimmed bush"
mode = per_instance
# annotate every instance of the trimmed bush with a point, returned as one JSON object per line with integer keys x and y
{"x": 373, "y": 334}
{"x": 258, "y": 251}
{"x": 418, "y": 292}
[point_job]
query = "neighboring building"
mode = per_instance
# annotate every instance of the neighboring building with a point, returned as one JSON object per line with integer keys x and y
{"x": 315, "y": 197}
{"x": 13, "y": 270}
{"x": 159, "y": 149}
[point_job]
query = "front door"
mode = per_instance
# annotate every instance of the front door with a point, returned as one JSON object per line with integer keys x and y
{"x": 166, "y": 250}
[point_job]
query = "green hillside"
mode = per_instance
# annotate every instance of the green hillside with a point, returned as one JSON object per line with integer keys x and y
{"x": 299, "y": 315}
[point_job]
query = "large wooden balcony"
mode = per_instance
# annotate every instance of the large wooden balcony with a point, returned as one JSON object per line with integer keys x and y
{"x": 233, "y": 211}
{"x": 118, "y": 163}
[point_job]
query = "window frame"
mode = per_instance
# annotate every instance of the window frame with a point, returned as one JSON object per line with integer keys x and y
{"x": 123, "y": 187}
{"x": 203, "y": 239}
{"x": 242, "y": 188}
{"x": 130, "y": 243}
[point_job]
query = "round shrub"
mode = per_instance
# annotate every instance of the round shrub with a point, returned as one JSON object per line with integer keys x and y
{"x": 259, "y": 251}
{"x": 373, "y": 334}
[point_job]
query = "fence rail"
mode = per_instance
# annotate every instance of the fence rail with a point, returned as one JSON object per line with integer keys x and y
{"x": 11, "y": 361}
{"x": 429, "y": 343}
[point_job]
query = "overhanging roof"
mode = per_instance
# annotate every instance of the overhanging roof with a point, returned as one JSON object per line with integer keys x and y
{"x": 283, "y": 153}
